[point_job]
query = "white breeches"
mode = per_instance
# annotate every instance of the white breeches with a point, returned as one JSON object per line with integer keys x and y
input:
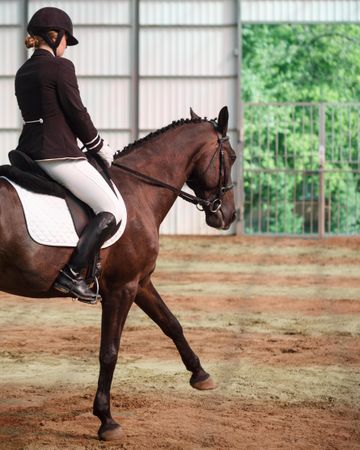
{"x": 86, "y": 183}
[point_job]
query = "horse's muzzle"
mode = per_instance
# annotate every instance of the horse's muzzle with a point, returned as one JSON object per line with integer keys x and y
{"x": 219, "y": 220}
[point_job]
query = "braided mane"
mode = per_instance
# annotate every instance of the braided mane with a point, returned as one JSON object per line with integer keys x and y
{"x": 176, "y": 123}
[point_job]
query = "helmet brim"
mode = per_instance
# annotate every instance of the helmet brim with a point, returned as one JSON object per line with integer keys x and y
{"x": 71, "y": 40}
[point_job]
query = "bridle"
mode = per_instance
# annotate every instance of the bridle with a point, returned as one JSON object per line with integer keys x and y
{"x": 222, "y": 188}
{"x": 213, "y": 205}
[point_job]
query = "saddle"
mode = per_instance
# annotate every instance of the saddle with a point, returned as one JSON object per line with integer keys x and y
{"x": 29, "y": 175}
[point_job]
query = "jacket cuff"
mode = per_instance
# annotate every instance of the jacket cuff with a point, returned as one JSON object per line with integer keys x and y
{"x": 95, "y": 144}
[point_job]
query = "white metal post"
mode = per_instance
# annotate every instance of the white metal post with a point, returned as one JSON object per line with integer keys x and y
{"x": 134, "y": 67}
{"x": 322, "y": 143}
{"x": 239, "y": 194}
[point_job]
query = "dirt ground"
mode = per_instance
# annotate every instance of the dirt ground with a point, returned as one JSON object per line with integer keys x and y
{"x": 275, "y": 321}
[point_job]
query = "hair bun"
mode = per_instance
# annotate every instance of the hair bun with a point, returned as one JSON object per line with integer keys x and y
{"x": 31, "y": 41}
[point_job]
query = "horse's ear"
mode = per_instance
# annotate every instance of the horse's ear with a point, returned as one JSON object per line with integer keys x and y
{"x": 193, "y": 115}
{"x": 223, "y": 120}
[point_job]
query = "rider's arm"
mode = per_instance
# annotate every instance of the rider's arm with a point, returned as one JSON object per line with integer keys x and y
{"x": 75, "y": 112}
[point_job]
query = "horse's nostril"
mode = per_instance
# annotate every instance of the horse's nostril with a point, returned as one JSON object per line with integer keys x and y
{"x": 233, "y": 216}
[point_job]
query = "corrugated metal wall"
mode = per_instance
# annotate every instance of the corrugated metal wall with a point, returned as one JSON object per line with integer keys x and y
{"x": 186, "y": 59}
{"x": 300, "y": 11}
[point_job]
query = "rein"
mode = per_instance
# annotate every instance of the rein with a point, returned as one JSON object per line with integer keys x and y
{"x": 153, "y": 181}
{"x": 213, "y": 205}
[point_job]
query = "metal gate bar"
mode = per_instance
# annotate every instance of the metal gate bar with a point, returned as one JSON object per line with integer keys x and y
{"x": 301, "y": 168}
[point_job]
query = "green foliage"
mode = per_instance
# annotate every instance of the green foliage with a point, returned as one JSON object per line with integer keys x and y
{"x": 301, "y": 63}
{"x": 312, "y": 63}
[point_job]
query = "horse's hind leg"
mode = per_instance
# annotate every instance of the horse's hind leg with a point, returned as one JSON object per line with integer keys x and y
{"x": 149, "y": 300}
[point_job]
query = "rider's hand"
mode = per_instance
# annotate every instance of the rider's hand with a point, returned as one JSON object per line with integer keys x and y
{"x": 106, "y": 153}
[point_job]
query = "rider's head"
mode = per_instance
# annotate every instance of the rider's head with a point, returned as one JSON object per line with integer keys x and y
{"x": 52, "y": 27}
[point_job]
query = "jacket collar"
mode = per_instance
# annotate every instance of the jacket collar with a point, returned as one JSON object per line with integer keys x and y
{"x": 42, "y": 52}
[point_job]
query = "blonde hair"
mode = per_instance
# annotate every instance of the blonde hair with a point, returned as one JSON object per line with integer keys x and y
{"x": 36, "y": 41}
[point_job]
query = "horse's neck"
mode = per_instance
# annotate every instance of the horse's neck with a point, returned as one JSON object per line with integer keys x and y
{"x": 167, "y": 158}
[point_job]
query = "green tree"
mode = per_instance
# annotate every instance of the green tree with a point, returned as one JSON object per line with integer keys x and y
{"x": 301, "y": 63}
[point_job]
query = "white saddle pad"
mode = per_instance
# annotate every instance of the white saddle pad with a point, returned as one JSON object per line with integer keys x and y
{"x": 49, "y": 221}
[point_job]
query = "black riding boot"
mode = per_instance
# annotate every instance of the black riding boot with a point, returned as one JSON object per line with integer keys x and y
{"x": 69, "y": 280}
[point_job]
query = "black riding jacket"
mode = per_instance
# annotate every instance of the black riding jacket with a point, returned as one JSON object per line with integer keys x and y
{"x": 46, "y": 88}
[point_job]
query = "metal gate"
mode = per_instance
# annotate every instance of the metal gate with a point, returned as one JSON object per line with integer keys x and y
{"x": 301, "y": 166}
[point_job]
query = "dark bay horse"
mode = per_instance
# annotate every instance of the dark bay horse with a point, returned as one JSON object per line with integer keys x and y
{"x": 195, "y": 151}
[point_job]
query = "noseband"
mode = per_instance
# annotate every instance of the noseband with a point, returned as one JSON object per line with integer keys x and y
{"x": 201, "y": 203}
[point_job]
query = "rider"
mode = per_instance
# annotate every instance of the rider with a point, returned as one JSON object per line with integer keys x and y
{"x": 54, "y": 117}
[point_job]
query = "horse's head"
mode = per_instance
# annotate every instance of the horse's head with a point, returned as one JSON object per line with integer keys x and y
{"x": 210, "y": 178}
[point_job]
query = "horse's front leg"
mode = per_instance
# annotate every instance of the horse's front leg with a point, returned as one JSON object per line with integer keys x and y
{"x": 115, "y": 308}
{"x": 149, "y": 300}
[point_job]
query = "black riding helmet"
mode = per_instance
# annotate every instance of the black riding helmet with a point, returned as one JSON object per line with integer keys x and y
{"x": 52, "y": 19}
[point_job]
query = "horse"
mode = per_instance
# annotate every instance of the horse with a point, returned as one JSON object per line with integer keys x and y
{"x": 149, "y": 173}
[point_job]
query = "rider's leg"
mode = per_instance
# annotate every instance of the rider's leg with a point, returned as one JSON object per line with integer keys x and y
{"x": 70, "y": 279}
{"x": 85, "y": 182}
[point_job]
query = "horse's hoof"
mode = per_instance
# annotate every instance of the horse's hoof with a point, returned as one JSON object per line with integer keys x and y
{"x": 203, "y": 385}
{"x": 112, "y": 432}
